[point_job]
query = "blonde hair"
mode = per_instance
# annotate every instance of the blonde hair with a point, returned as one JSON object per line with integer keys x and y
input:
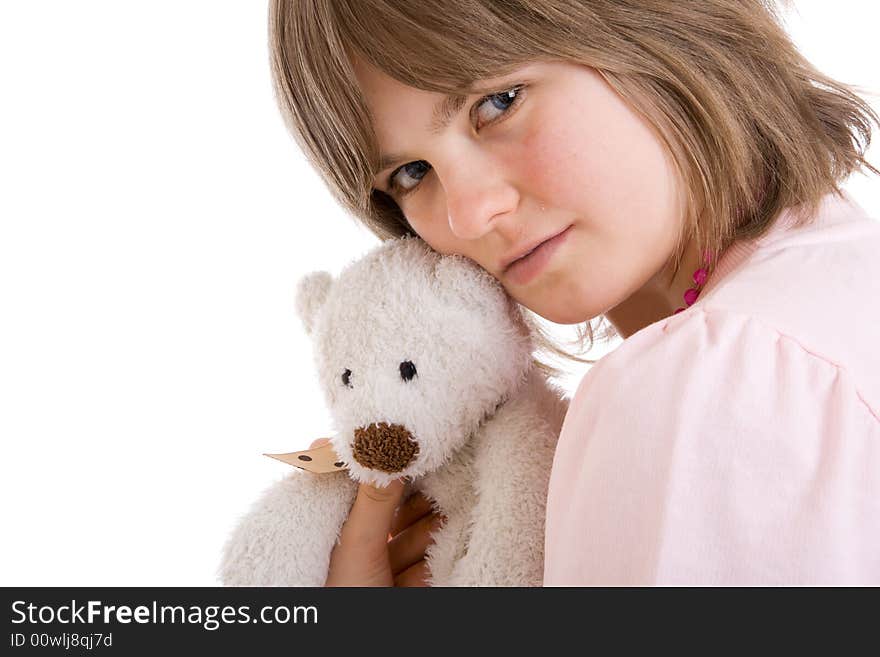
{"x": 752, "y": 126}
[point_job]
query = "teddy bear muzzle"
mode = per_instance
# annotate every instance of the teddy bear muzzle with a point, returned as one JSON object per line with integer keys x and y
{"x": 385, "y": 447}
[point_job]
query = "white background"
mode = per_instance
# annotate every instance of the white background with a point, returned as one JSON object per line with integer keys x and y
{"x": 154, "y": 219}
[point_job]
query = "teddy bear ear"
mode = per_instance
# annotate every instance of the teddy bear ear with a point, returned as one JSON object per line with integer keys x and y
{"x": 449, "y": 268}
{"x": 311, "y": 293}
{"x": 461, "y": 275}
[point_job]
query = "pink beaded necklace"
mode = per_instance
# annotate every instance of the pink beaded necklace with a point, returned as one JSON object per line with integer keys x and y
{"x": 691, "y": 295}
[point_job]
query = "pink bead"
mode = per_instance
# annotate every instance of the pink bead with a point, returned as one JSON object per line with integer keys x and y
{"x": 678, "y": 311}
{"x": 700, "y": 276}
{"x": 691, "y": 295}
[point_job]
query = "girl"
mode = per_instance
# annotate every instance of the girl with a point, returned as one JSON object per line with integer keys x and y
{"x": 672, "y": 168}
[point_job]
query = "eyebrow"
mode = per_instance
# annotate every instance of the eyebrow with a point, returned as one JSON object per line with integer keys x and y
{"x": 446, "y": 109}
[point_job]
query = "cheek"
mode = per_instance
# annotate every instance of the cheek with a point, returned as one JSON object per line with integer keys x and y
{"x": 425, "y": 213}
{"x": 608, "y": 170}
{"x": 570, "y": 164}
{"x": 555, "y": 165}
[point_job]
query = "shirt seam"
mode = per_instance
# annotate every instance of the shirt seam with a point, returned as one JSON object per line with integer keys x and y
{"x": 706, "y": 311}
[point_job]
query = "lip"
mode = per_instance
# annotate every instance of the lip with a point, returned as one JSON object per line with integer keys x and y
{"x": 523, "y": 269}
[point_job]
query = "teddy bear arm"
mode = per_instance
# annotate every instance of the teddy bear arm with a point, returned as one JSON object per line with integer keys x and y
{"x": 506, "y": 543}
{"x": 508, "y": 553}
{"x": 286, "y": 537}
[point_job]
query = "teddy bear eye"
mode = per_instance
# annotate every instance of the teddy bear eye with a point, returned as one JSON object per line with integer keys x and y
{"x": 407, "y": 370}
{"x": 346, "y": 376}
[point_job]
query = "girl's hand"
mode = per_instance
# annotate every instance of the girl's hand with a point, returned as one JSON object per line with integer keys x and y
{"x": 383, "y": 542}
{"x": 409, "y": 537}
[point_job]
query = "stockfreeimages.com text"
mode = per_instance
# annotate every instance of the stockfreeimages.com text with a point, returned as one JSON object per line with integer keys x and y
{"x": 210, "y": 617}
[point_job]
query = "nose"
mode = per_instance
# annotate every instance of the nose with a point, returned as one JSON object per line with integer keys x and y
{"x": 385, "y": 447}
{"x": 475, "y": 198}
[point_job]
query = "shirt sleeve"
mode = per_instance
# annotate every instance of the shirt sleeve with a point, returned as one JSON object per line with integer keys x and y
{"x": 715, "y": 451}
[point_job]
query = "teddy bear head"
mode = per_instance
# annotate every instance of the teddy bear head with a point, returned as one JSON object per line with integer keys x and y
{"x": 413, "y": 350}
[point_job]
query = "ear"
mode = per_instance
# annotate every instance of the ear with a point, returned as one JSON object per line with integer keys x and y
{"x": 311, "y": 293}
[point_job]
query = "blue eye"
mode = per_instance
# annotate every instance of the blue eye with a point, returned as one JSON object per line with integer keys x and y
{"x": 414, "y": 170}
{"x": 502, "y": 103}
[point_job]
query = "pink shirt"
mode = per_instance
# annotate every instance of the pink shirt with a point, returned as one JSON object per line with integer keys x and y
{"x": 737, "y": 442}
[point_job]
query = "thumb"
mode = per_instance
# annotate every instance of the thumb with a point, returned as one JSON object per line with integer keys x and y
{"x": 373, "y": 511}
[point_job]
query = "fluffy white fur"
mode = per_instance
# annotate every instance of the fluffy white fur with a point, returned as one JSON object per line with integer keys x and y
{"x": 485, "y": 419}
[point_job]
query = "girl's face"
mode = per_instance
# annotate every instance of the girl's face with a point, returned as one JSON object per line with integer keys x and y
{"x": 547, "y": 149}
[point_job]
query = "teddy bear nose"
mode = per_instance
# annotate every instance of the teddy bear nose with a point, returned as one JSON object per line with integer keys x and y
{"x": 385, "y": 447}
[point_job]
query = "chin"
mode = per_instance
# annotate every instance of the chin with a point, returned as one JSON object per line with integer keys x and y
{"x": 561, "y": 315}
{"x": 568, "y": 318}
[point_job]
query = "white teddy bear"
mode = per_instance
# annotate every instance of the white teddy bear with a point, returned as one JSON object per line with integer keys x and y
{"x": 426, "y": 366}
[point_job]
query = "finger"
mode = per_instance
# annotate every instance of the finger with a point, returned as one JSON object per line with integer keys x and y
{"x": 372, "y": 511}
{"x": 319, "y": 442}
{"x": 410, "y": 510}
{"x": 409, "y": 546}
{"x": 415, "y": 575}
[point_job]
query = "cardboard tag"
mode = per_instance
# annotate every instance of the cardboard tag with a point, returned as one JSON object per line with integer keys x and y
{"x": 319, "y": 459}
